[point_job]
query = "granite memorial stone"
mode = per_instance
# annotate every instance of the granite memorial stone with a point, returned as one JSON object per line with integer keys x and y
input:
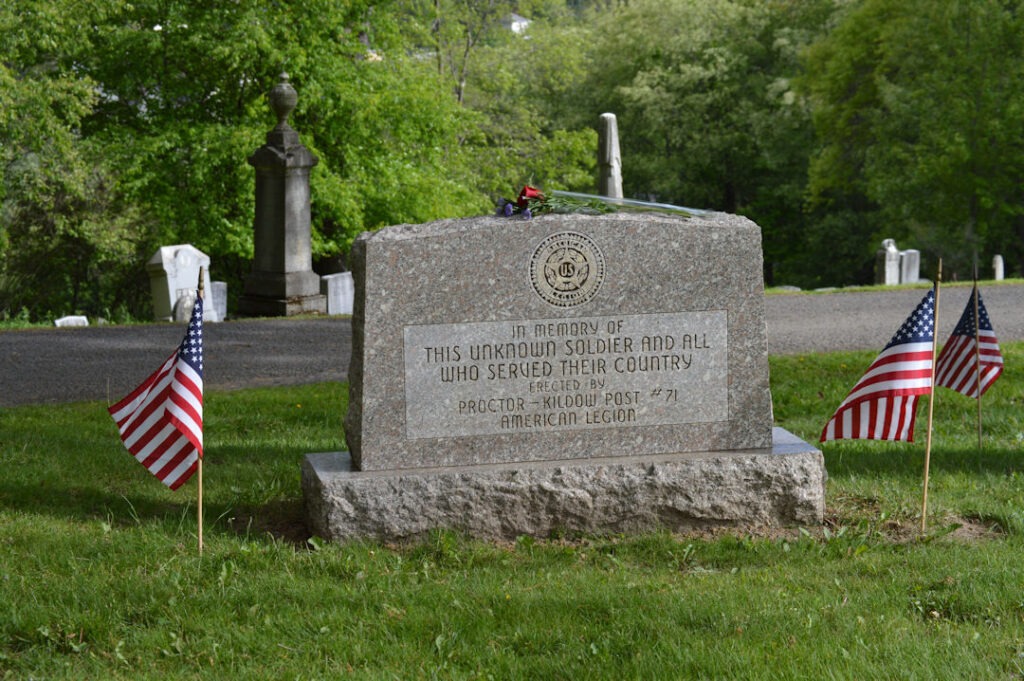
{"x": 584, "y": 373}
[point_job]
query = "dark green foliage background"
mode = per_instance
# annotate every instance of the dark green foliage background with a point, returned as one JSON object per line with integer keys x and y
{"x": 832, "y": 124}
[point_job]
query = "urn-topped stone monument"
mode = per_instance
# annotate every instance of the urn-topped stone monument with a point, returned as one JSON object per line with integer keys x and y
{"x": 567, "y": 373}
{"x": 282, "y": 281}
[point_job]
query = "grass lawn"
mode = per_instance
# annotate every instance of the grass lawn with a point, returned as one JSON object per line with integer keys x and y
{"x": 100, "y": 577}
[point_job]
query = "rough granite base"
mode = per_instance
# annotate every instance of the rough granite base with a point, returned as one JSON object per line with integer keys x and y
{"x": 781, "y": 486}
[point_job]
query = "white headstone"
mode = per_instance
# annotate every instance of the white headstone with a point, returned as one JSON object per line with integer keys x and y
{"x": 72, "y": 320}
{"x": 174, "y": 274}
{"x": 340, "y": 292}
{"x": 183, "y": 307}
{"x": 997, "y": 267}
{"x": 910, "y": 266}
{"x": 891, "y": 263}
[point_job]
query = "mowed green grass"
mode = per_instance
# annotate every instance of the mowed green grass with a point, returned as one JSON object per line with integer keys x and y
{"x": 100, "y": 577}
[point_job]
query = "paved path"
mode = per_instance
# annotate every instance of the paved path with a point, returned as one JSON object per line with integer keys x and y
{"x": 867, "y": 320}
{"x": 41, "y": 366}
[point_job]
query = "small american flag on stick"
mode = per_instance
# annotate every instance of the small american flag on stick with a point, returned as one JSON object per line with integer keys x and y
{"x": 161, "y": 421}
{"x": 961, "y": 362}
{"x": 883, "y": 404}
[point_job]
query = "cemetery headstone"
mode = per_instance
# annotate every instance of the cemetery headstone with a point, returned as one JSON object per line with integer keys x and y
{"x": 282, "y": 281}
{"x": 609, "y": 160}
{"x": 910, "y": 266}
{"x": 71, "y": 320}
{"x": 340, "y": 292}
{"x": 219, "y": 298}
{"x": 183, "y": 308}
{"x": 578, "y": 373}
{"x": 997, "y": 267}
{"x": 173, "y": 273}
{"x": 887, "y": 264}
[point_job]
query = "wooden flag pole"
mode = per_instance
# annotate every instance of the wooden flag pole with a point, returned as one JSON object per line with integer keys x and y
{"x": 977, "y": 354}
{"x": 931, "y": 405}
{"x": 199, "y": 470}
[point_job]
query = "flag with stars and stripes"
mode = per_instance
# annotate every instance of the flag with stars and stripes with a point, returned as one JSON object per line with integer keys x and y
{"x": 883, "y": 404}
{"x": 161, "y": 421}
{"x": 957, "y": 366}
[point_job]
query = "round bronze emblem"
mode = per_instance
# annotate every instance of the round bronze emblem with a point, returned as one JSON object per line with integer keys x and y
{"x": 567, "y": 269}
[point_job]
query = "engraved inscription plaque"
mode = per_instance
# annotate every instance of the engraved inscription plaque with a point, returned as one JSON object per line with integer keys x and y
{"x": 549, "y": 375}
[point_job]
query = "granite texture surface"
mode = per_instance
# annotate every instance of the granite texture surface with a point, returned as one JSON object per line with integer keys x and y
{"x": 472, "y": 272}
{"x": 780, "y": 486}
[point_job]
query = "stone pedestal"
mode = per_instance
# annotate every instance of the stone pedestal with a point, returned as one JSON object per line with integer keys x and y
{"x": 779, "y": 486}
{"x": 282, "y": 281}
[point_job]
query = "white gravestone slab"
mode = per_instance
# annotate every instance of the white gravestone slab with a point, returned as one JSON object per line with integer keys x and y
{"x": 173, "y": 275}
{"x": 340, "y": 292}
{"x": 997, "y": 267}
{"x": 910, "y": 266}
{"x": 219, "y": 298}
{"x": 71, "y": 320}
{"x": 890, "y": 263}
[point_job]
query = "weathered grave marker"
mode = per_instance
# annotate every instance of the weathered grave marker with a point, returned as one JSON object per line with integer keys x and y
{"x": 173, "y": 272}
{"x": 339, "y": 290}
{"x": 997, "y": 267}
{"x": 586, "y": 373}
{"x": 282, "y": 281}
{"x": 71, "y": 320}
{"x": 887, "y": 263}
{"x": 910, "y": 266}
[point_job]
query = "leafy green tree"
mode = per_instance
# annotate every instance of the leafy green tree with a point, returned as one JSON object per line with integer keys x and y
{"x": 511, "y": 82}
{"x": 918, "y": 106}
{"x": 133, "y": 132}
{"x": 63, "y": 224}
{"x": 707, "y": 113}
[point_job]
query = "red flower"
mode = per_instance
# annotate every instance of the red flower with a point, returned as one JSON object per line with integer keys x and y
{"x": 526, "y": 194}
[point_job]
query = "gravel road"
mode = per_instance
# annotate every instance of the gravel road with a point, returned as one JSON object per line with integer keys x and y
{"x": 45, "y": 366}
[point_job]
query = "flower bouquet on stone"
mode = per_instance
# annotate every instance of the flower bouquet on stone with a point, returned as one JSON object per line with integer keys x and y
{"x": 532, "y": 201}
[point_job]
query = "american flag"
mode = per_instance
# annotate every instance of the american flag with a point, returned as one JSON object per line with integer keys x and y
{"x": 957, "y": 367}
{"x": 883, "y": 404}
{"x": 161, "y": 421}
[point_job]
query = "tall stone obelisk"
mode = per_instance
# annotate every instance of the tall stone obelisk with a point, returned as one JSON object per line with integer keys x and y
{"x": 282, "y": 281}
{"x": 609, "y": 162}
